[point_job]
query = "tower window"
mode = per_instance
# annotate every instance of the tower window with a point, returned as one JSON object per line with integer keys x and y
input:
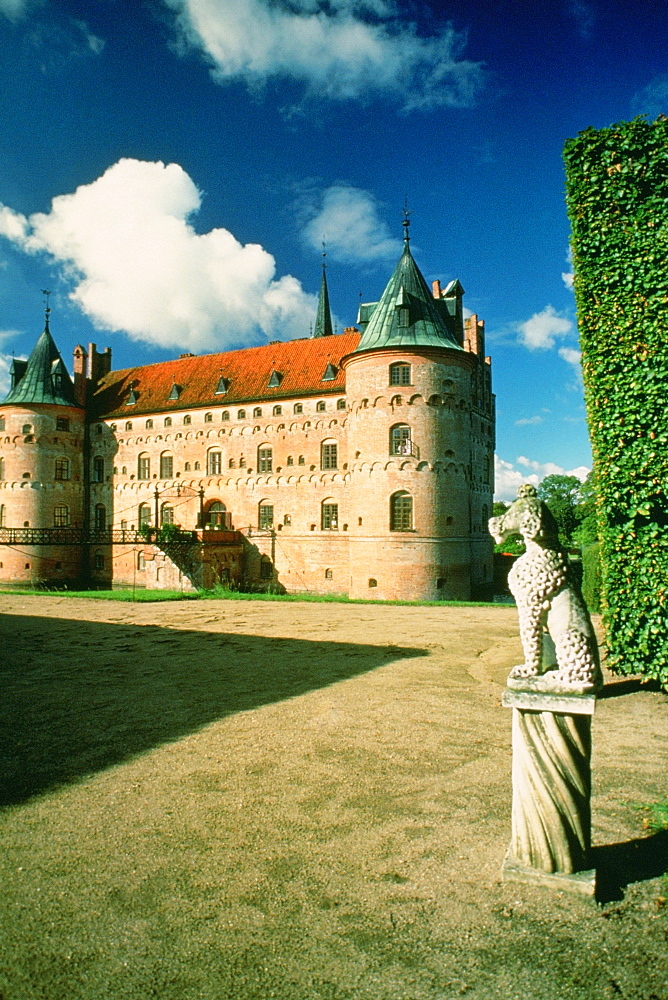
{"x": 143, "y": 467}
{"x": 265, "y": 515}
{"x": 62, "y": 468}
{"x": 215, "y": 463}
{"x": 62, "y": 424}
{"x": 61, "y": 516}
{"x": 330, "y": 516}
{"x": 98, "y": 469}
{"x": 400, "y": 440}
{"x": 166, "y": 466}
{"x": 401, "y": 512}
{"x": 264, "y": 459}
{"x": 329, "y": 457}
{"x": 100, "y": 517}
{"x": 400, "y": 374}
{"x": 26, "y": 429}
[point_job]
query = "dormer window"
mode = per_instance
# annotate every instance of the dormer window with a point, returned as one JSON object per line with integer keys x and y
{"x": 222, "y": 387}
{"x": 132, "y": 397}
{"x": 175, "y": 391}
{"x": 330, "y": 372}
{"x": 275, "y": 380}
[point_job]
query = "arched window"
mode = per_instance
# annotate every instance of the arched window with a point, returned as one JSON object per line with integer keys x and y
{"x": 329, "y": 520}
{"x": 166, "y": 514}
{"x": 62, "y": 468}
{"x": 329, "y": 455}
{"x": 26, "y": 429}
{"x": 241, "y": 414}
{"x": 144, "y": 515}
{"x": 168, "y": 421}
{"x": 340, "y": 404}
{"x": 301, "y": 460}
{"x": 98, "y": 469}
{"x": 400, "y": 440}
{"x": 320, "y": 406}
{"x": 149, "y": 425}
{"x": 100, "y": 517}
{"x": 257, "y": 411}
{"x": 141, "y": 560}
{"x": 61, "y": 516}
{"x": 225, "y": 415}
{"x": 166, "y": 465}
{"x": 298, "y": 408}
{"x": 187, "y": 419}
{"x": 290, "y": 460}
{"x": 214, "y": 462}
{"x": 2, "y": 468}
{"x": 278, "y": 411}
{"x": 143, "y": 466}
{"x": 401, "y": 511}
{"x": 216, "y": 514}
{"x": 264, "y": 458}
{"x": 2, "y": 423}
{"x": 265, "y": 517}
{"x": 128, "y": 426}
{"x": 400, "y": 373}
{"x": 266, "y": 569}
{"x": 208, "y": 418}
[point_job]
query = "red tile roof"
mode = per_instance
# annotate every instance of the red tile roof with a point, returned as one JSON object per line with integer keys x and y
{"x": 301, "y": 364}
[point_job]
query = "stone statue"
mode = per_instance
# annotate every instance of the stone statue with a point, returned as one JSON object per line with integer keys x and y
{"x": 558, "y": 640}
{"x": 552, "y": 695}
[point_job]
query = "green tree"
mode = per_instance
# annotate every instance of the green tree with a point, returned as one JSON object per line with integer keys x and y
{"x": 562, "y": 496}
{"x": 586, "y": 532}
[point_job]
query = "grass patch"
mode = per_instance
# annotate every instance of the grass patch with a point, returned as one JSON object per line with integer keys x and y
{"x": 656, "y": 820}
{"x": 221, "y": 594}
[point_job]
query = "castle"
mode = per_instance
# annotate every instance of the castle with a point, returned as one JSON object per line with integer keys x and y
{"x": 358, "y": 463}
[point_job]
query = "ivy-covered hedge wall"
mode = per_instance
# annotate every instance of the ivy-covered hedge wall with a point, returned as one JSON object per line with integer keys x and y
{"x": 617, "y": 195}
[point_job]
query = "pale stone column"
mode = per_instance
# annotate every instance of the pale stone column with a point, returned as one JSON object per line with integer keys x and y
{"x": 551, "y": 773}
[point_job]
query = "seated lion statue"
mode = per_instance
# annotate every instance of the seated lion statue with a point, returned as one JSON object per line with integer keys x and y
{"x": 555, "y": 628}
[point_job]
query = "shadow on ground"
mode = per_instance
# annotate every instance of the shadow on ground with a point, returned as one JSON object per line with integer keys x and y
{"x": 619, "y": 865}
{"x": 81, "y": 697}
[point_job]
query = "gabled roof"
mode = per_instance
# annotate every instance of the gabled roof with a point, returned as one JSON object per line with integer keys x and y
{"x": 407, "y": 314}
{"x": 301, "y": 363}
{"x": 43, "y": 378}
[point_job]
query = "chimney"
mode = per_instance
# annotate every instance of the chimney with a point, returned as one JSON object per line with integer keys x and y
{"x": 80, "y": 359}
{"x": 436, "y": 289}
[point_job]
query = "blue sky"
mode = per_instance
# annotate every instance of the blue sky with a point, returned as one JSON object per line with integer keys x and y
{"x": 169, "y": 168}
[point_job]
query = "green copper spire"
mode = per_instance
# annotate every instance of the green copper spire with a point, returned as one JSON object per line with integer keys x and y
{"x": 43, "y": 378}
{"x": 407, "y": 314}
{"x": 323, "y": 321}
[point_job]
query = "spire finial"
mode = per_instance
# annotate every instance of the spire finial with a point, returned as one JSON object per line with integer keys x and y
{"x": 324, "y": 255}
{"x": 47, "y": 310}
{"x": 406, "y": 223}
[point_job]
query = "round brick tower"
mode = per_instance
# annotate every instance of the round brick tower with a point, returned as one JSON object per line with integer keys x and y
{"x": 41, "y": 471}
{"x": 410, "y": 387}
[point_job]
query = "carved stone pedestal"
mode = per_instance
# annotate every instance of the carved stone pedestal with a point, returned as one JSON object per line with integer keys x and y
{"x": 551, "y": 818}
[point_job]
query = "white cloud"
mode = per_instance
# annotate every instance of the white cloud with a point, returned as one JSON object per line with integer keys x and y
{"x": 525, "y": 421}
{"x": 540, "y": 332}
{"x": 94, "y": 43}
{"x": 347, "y": 219}
{"x": 652, "y": 100}
{"x": 567, "y": 278}
{"x": 5, "y": 363}
{"x": 13, "y": 9}
{"x": 340, "y": 49}
{"x": 508, "y": 478}
{"x": 126, "y": 243}
{"x": 570, "y": 355}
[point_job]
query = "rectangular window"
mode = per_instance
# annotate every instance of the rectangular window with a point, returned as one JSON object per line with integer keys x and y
{"x": 264, "y": 459}
{"x": 400, "y": 375}
{"x": 266, "y": 516}
{"x": 166, "y": 466}
{"x": 329, "y": 456}
{"x": 62, "y": 468}
{"x": 61, "y": 516}
{"x": 215, "y": 463}
{"x": 330, "y": 516}
{"x": 144, "y": 467}
{"x": 98, "y": 470}
{"x": 62, "y": 424}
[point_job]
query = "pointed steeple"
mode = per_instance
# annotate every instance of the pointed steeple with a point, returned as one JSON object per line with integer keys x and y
{"x": 407, "y": 314}
{"x": 43, "y": 378}
{"x": 323, "y": 321}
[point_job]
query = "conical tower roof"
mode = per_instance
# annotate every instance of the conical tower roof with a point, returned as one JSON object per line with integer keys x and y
{"x": 45, "y": 378}
{"x": 323, "y": 321}
{"x": 407, "y": 314}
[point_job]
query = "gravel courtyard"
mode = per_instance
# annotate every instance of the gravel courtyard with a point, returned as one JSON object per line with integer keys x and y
{"x": 245, "y": 800}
